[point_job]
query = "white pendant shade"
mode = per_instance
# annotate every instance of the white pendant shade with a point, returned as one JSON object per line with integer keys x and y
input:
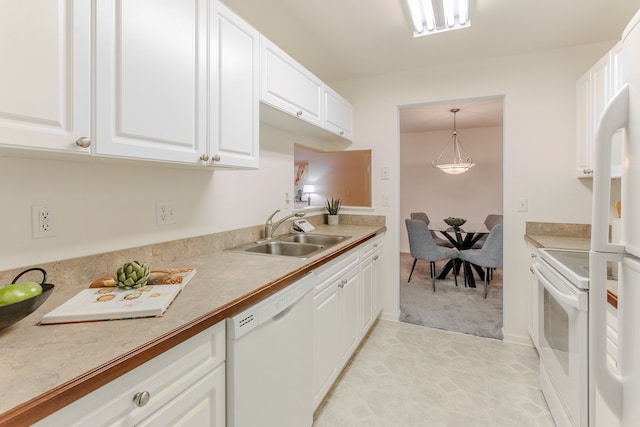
{"x": 461, "y": 161}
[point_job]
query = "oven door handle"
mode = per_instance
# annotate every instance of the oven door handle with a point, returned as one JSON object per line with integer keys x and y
{"x": 571, "y": 300}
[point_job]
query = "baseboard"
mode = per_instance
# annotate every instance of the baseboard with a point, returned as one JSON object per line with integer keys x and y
{"x": 517, "y": 339}
{"x": 386, "y": 315}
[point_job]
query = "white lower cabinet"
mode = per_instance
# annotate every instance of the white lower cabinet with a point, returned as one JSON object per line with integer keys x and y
{"x": 371, "y": 301}
{"x": 347, "y": 300}
{"x": 183, "y": 386}
{"x": 334, "y": 320}
{"x": 532, "y": 293}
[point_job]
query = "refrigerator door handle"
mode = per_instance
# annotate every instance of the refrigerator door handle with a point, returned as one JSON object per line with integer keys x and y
{"x": 615, "y": 117}
{"x": 609, "y": 383}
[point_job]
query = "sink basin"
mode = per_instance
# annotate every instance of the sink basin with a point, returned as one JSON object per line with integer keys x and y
{"x": 314, "y": 239}
{"x": 292, "y": 245}
{"x": 284, "y": 248}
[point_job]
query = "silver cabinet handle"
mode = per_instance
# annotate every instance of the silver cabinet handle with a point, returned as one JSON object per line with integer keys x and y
{"x": 532, "y": 270}
{"x": 83, "y": 142}
{"x": 216, "y": 158}
{"x": 375, "y": 257}
{"x": 141, "y": 398}
{"x": 588, "y": 171}
{"x": 342, "y": 283}
{"x": 341, "y": 132}
{"x": 375, "y": 245}
{"x": 533, "y": 256}
{"x": 299, "y": 113}
{"x": 204, "y": 157}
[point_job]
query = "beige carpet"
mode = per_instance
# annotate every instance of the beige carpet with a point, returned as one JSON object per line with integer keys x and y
{"x": 451, "y": 308}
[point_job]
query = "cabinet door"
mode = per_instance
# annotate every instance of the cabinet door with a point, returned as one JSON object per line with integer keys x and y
{"x": 151, "y": 85}
{"x": 583, "y": 131}
{"x": 202, "y": 404}
{"x": 325, "y": 343}
{"x": 532, "y": 309}
{"x": 338, "y": 114}
{"x": 616, "y": 82}
{"x": 367, "y": 295}
{"x": 377, "y": 278}
{"x": 45, "y": 74}
{"x": 288, "y": 86}
{"x": 234, "y": 90}
{"x": 349, "y": 314}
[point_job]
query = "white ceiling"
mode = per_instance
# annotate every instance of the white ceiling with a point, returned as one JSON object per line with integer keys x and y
{"x": 348, "y": 39}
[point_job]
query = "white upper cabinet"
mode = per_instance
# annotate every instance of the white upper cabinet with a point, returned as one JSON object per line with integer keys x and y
{"x": 177, "y": 81}
{"x": 338, "y": 114}
{"x": 288, "y": 86}
{"x": 291, "y": 89}
{"x": 594, "y": 90}
{"x": 234, "y": 91}
{"x": 151, "y": 81}
{"x": 45, "y": 75}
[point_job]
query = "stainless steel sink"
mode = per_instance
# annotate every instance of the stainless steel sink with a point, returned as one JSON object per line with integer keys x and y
{"x": 284, "y": 248}
{"x": 314, "y": 239}
{"x": 292, "y": 245}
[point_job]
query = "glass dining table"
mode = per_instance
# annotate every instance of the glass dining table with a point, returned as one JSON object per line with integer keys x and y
{"x": 463, "y": 237}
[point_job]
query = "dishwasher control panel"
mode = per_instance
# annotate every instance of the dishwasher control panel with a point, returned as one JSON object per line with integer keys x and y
{"x": 272, "y": 307}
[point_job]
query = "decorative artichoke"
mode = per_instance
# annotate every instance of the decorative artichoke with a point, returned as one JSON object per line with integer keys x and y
{"x": 132, "y": 275}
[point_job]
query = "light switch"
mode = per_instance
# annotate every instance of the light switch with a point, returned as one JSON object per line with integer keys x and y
{"x": 384, "y": 173}
{"x": 523, "y": 204}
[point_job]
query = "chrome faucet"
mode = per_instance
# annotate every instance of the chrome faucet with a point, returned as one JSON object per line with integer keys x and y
{"x": 269, "y": 227}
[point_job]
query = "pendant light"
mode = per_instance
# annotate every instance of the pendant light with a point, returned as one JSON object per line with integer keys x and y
{"x": 461, "y": 160}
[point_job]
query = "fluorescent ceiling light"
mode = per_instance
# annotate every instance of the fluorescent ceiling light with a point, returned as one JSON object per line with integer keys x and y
{"x": 436, "y": 16}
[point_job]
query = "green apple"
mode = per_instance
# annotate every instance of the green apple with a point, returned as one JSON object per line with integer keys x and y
{"x": 17, "y": 292}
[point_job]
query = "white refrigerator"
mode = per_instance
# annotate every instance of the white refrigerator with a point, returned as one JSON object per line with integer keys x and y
{"x": 618, "y": 389}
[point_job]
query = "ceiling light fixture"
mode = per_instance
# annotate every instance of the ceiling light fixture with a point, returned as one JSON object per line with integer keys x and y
{"x": 461, "y": 161}
{"x": 436, "y": 16}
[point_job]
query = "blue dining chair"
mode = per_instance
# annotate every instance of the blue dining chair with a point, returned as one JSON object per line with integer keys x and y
{"x": 422, "y": 246}
{"x": 487, "y": 257}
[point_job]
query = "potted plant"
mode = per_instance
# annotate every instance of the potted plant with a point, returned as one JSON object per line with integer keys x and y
{"x": 333, "y": 207}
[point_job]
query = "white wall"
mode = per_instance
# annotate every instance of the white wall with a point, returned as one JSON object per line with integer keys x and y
{"x": 108, "y": 206}
{"x": 102, "y": 207}
{"x": 539, "y": 148}
{"x": 471, "y": 195}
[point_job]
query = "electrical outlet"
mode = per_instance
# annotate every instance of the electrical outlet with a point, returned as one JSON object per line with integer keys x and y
{"x": 165, "y": 213}
{"x": 43, "y": 221}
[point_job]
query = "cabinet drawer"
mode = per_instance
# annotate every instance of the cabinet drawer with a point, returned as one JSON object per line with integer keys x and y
{"x": 372, "y": 245}
{"x": 163, "y": 377}
{"x": 336, "y": 267}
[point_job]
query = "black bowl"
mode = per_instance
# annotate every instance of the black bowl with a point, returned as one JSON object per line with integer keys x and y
{"x": 12, "y": 313}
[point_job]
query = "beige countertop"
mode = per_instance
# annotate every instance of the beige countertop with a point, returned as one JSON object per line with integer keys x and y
{"x": 47, "y": 367}
{"x": 559, "y": 242}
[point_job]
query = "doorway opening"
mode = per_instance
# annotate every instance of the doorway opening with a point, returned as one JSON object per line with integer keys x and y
{"x": 425, "y": 130}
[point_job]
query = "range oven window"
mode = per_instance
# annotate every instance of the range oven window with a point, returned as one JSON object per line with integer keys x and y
{"x": 556, "y": 330}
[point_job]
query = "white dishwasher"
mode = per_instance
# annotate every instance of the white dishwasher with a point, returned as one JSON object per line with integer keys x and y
{"x": 270, "y": 360}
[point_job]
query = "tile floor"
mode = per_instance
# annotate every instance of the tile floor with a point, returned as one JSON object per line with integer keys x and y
{"x": 409, "y": 375}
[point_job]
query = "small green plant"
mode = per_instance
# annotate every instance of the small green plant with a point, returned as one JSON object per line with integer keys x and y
{"x": 333, "y": 206}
